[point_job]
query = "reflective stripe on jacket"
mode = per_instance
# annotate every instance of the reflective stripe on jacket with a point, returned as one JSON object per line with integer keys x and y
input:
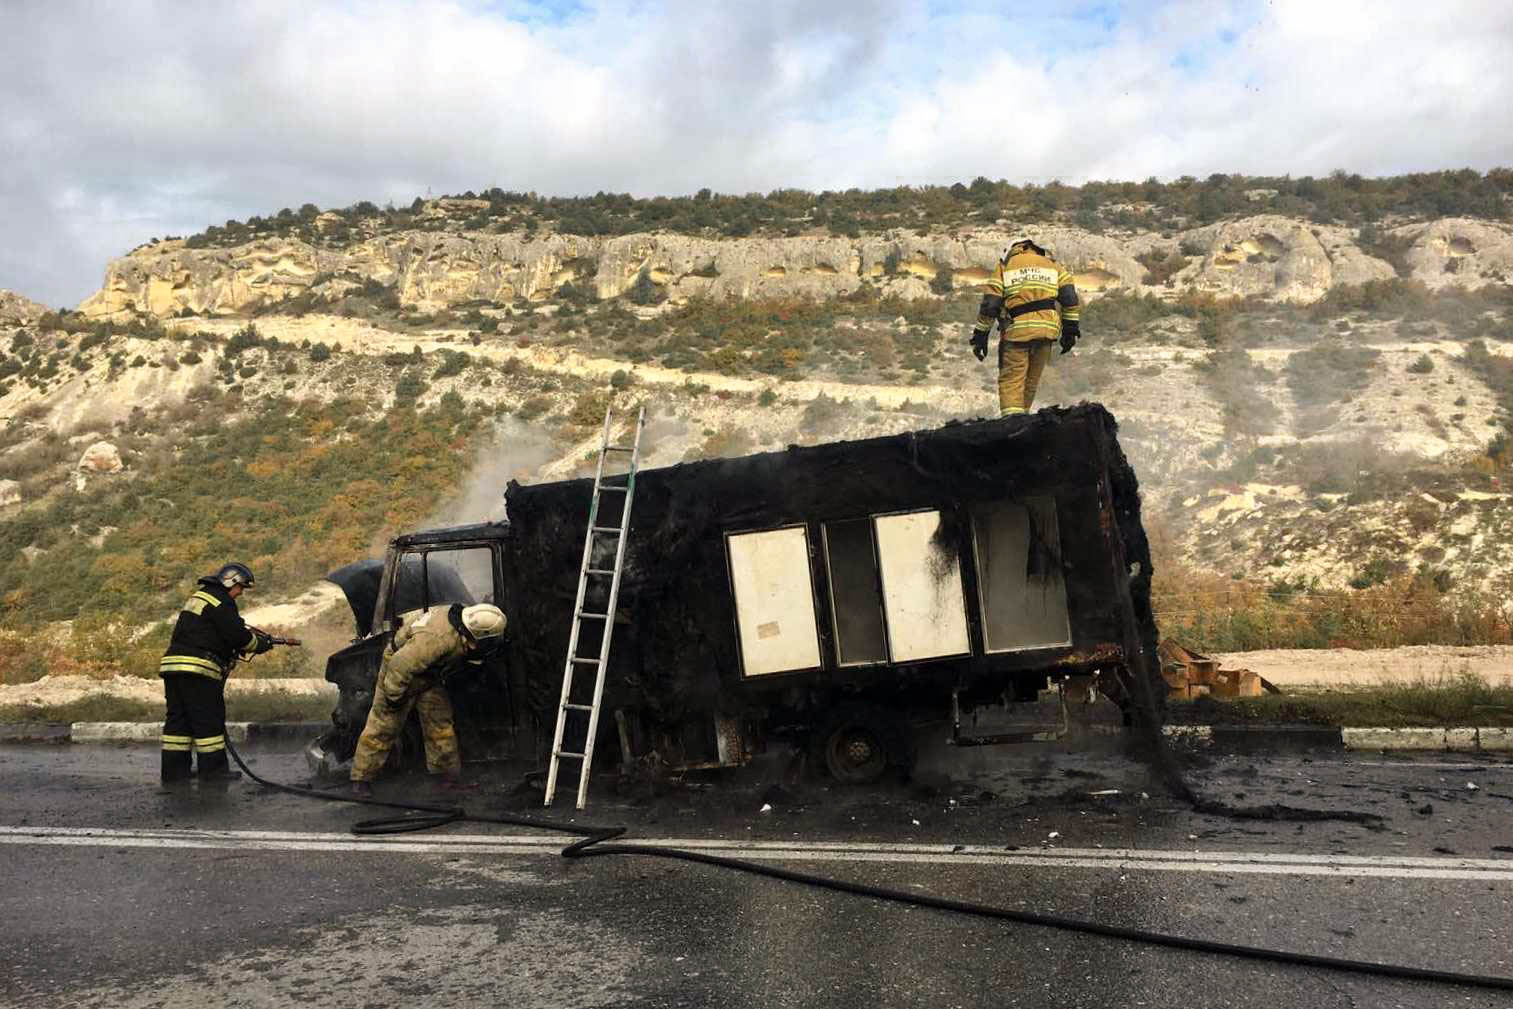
{"x": 1027, "y": 277}
{"x": 208, "y": 635}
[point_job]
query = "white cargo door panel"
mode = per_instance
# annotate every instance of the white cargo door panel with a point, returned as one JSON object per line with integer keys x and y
{"x": 922, "y": 596}
{"x": 774, "y": 600}
{"x": 1019, "y": 575}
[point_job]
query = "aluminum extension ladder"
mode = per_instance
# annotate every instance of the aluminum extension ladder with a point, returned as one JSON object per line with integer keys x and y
{"x": 567, "y": 707}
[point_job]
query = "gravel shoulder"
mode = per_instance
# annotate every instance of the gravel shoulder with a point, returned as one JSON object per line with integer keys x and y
{"x": 58, "y": 690}
{"x": 1341, "y": 668}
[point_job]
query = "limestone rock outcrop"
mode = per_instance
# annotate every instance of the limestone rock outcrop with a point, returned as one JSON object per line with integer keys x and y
{"x": 1277, "y": 257}
{"x": 1266, "y": 255}
{"x": 101, "y": 457}
{"x": 1460, "y": 251}
{"x": 16, "y": 310}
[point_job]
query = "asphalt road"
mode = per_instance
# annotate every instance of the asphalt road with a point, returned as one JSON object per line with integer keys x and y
{"x": 112, "y": 894}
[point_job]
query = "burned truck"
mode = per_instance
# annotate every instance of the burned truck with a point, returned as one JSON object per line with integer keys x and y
{"x": 831, "y": 596}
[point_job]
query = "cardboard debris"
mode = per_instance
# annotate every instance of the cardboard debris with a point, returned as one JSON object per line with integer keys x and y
{"x": 1189, "y": 674}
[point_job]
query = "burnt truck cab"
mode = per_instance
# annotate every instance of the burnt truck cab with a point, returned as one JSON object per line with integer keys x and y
{"x": 834, "y": 595}
{"x": 463, "y": 564}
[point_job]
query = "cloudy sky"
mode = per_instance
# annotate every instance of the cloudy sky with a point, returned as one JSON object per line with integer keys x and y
{"x": 122, "y": 120}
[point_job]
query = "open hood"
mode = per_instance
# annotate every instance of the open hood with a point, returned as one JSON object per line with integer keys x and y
{"x": 359, "y": 582}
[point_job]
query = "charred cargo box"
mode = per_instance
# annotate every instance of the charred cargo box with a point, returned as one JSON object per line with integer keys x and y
{"x": 834, "y": 594}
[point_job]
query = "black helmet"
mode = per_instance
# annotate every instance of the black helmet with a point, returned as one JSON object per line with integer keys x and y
{"x": 231, "y": 575}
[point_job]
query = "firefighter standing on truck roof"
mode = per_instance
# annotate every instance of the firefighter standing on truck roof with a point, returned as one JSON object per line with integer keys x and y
{"x": 1034, "y": 302}
{"x": 427, "y": 647}
{"x": 207, "y": 638}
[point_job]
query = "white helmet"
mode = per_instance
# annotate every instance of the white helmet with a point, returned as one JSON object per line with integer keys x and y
{"x": 483, "y": 621}
{"x": 1030, "y": 237}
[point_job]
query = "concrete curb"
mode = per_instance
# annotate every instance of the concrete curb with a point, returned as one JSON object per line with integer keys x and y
{"x": 34, "y": 732}
{"x": 1274, "y": 738}
{"x": 149, "y": 732}
{"x": 1456, "y": 740}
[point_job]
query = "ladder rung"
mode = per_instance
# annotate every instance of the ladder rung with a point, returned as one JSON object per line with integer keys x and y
{"x": 565, "y": 753}
{"x": 599, "y": 571}
{"x": 619, "y": 448}
{"x": 584, "y": 661}
{"x": 579, "y": 707}
{"x": 596, "y": 616}
{"x": 607, "y": 529}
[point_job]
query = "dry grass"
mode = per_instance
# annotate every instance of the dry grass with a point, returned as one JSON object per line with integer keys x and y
{"x": 1462, "y": 700}
{"x": 1212, "y": 613}
{"x": 263, "y": 706}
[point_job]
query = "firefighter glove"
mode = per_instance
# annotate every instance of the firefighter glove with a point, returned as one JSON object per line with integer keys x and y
{"x": 1070, "y": 333}
{"x": 980, "y": 343}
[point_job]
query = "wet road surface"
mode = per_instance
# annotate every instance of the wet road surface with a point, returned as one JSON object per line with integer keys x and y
{"x": 112, "y": 894}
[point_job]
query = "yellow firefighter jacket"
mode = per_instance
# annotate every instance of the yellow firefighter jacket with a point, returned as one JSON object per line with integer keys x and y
{"x": 1032, "y": 295}
{"x": 425, "y": 647}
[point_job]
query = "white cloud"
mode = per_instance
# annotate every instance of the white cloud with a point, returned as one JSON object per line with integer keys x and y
{"x": 119, "y": 122}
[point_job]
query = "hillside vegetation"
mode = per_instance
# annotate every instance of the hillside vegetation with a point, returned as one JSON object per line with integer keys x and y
{"x": 1319, "y": 470}
{"x": 1095, "y": 206}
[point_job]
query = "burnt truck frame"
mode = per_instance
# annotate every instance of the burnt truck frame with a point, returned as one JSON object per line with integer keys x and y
{"x": 833, "y": 595}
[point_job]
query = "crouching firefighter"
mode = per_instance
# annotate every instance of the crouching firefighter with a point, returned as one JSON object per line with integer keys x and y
{"x": 208, "y": 638}
{"x": 428, "y": 646}
{"x": 1034, "y": 302}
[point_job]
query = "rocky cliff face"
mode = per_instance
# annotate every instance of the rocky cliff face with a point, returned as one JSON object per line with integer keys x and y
{"x": 1266, "y": 256}
{"x": 18, "y": 311}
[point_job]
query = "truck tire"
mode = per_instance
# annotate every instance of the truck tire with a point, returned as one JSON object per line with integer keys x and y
{"x": 858, "y": 744}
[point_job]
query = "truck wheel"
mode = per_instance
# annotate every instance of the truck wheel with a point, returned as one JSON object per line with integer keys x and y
{"x": 859, "y": 743}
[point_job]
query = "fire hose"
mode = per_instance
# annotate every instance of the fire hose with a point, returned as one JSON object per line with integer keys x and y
{"x": 596, "y": 841}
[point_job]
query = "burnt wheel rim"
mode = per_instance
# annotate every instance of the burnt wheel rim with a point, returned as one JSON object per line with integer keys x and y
{"x": 855, "y": 753}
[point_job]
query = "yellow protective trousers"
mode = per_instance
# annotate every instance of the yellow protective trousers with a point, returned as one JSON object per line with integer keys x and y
{"x": 386, "y": 720}
{"x": 1020, "y": 364}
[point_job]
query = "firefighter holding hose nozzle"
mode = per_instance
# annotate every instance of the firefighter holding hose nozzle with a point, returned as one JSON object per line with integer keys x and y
{"x": 208, "y": 639}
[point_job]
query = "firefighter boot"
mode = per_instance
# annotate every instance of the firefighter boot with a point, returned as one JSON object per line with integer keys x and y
{"x": 175, "y": 772}
{"x": 214, "y": 769}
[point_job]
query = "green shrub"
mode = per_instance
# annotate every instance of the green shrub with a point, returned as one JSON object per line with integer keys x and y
{"x": 942, "y": 282}
{"x": 533, "y": 407}
{"x": 320, "y": 352}
{"x": 645, "y": 291}
{"x": 243, "y": 339}
{"x": 1422, "y": 365}
{"x": 410, "y": 387}
{"x": 1161, "y": 267}
{"x": 822, "y": 415}
{"x": 453, "y": 362}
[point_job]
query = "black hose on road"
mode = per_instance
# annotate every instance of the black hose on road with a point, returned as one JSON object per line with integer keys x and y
{"x": 595, "y": 842}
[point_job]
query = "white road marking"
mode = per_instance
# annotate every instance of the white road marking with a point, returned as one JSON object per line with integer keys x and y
{"x": 547, "y": 845}
{"x": 1438, "y": 764}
